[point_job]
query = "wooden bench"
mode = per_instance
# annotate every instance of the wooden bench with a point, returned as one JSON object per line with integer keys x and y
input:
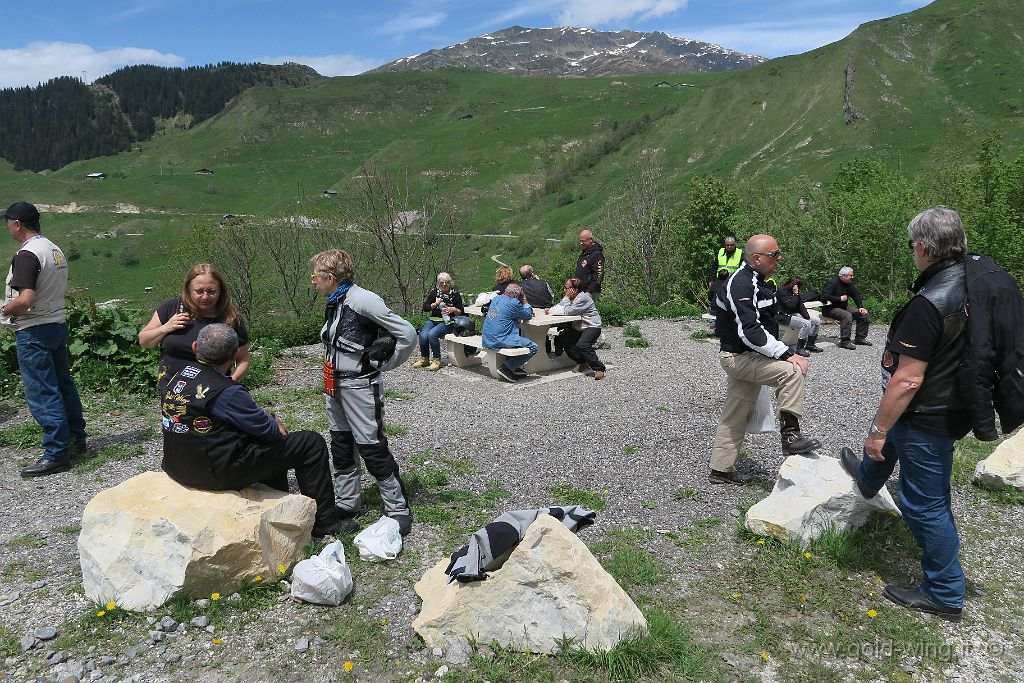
{"x": 488, "y": 357}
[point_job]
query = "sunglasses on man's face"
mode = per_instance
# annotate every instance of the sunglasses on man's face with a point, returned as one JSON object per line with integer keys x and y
{"x": 771, "y": 254}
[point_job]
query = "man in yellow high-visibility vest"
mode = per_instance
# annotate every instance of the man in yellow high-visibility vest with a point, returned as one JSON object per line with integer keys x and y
{"x": 728, "y": 258}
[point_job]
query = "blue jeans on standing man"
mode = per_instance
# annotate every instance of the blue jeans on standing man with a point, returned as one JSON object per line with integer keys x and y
{"x": 926, "y": 465}
{"x": 430, "y": 337}
{"x": 50, "y": 392}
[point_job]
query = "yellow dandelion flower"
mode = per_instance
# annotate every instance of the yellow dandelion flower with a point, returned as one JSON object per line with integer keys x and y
{"x": 808, "y": 554}
{"x": 347, "y": 666}
{"x": 215, "y": 596}
{"x": 605, "y": 492}
{"x": 111, "y": 606}
{"x": 872, "y": 593}
{"x": 764, "y": 655}
{"x": 100, "y": 613}
{"x": 258, "y": 579}
{"x": 803, "y": 598}
{"x": 737, "y": 596}
{"x": 760, "y": 541}
{"x": 218, "y": 641}
{"x": 872, "y": 613}
{"x": 281, "y": 569}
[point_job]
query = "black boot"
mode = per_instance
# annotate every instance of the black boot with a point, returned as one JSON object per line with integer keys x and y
{"x": 793, "y": 442}
{"x": 800, "y": 349}
{"x": 812, "y": 346}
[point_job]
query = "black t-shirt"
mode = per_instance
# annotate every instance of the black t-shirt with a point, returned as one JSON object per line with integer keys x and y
{"x": 917, "y": 334}
{"x": 178, "y": 344}
{"x": 25, "y": 269}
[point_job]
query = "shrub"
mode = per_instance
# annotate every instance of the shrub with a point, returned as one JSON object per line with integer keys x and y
{"x": 287, "y": 332}
{"x": 104, "y": 349}
{"x": 129, "y": 257}
{"x": 612, "y": 314}
{"x": 72, "y": 252}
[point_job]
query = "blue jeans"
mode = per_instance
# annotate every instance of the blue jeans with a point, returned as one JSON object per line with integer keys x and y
{"x": 513, "y": 363}
{"x": 926, "y": 465}
{"x": 49, "y": 390}
{"x": 430, "y": 338}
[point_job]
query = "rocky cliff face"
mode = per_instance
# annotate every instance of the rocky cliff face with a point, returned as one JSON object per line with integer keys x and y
{"x": 577, "y": 52}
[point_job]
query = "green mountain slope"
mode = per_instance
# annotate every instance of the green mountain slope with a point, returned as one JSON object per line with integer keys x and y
{"x": 910, "y": 88}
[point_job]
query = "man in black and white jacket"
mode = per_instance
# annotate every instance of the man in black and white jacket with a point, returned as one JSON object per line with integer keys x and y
{"x": 752, "y": 356}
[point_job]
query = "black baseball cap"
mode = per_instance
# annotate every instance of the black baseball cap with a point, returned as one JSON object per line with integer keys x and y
{"x": 22, "y": 211}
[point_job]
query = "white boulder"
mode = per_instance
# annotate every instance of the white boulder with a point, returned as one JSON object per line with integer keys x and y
{"x": 811, "y": 495}
{"x": 1005, "y": 467}
{"x": 550, "y": 588}
{"x": 150, "y": 538}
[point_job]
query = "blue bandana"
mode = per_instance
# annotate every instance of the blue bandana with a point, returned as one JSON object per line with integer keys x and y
{"x": 341, "y": 291}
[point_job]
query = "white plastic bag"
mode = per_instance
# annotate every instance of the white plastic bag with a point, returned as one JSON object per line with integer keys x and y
{"x": 324, "y": 579}
{"x": 484, "y": 298}
{"x": 380, "y": 541}
{"x": 762, "y": 420}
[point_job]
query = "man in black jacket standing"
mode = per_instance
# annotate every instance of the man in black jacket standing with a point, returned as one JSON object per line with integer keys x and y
{"x": 921, "y": 414}
{"x": 590, "y": 265}
{"x": 752, "y": 356}
{"x": 837, "y": 295}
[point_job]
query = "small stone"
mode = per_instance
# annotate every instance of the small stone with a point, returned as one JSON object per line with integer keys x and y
{"x": 202, "y": 603}
{"x": 45, "y": 632}
{"x": 302, "y": 644}
{"x": 95, "y": 675}
{"x": 168, "y": 623}
{"x": 156, "y": 636}
{"x": 211, "y": 629}
{"x": 38, "y": 584}
{"x": 8, "y": 598}
{"x": 200, "y": 621}
{"x": 27, "y": 643}
{"x": 190, "y": 658}
{"x": 70, "y": 678}
{"x": 440, "y": 673}
{"x": 150, "y": 620}
{"x": 437, "y": 652}
{"x": 172, "y": 659}
{"x": 57, "y": 657}
{"x": 235, "y": 597}
{"x": 105, "y": 660}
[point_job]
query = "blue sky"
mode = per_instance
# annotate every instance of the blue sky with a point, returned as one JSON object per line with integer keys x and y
{"x": 47, "y": 38}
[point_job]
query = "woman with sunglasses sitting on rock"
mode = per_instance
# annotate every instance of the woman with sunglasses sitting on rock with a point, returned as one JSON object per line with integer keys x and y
{"x": 177, "y": 322}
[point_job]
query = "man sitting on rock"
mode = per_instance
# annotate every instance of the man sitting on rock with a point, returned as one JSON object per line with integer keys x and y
{"x": 216, "y": 437}
{"x": 837, "y": 295}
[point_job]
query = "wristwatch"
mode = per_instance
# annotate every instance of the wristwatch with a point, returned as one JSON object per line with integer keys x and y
{"x": 873, "y": 429}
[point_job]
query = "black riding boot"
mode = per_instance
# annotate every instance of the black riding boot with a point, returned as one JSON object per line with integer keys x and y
{"x": 801, "y": 348}
{"x": 793, "y": 442}
{"x": 812, "y": 346}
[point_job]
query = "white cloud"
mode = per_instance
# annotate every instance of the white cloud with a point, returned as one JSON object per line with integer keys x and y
{"x": 777, "y": 38}
{"x": 598, "y": 12}
{"x": 328, "y": 65}
{"x": 409, "y": 22}
{"x": 40, "y": 61}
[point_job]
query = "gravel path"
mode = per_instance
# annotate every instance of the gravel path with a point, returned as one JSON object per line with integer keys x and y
{"x": 641, "y": 435}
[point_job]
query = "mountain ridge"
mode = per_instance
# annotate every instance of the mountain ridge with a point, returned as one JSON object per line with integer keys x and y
{"x": 572, "y": 51}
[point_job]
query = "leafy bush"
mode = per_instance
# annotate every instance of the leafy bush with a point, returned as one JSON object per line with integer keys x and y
{"x": 669, "y": 309}
{"x": 261, "y": 362}
{"x": 10, "y": 377}
{"x": 287, "y": 332}
{"x": 129, "y": 257}
{"x": 883, "y": 310}
{"x": 637, "y": 343}
{"x": 105, "y": 353}
{"x": 612, "y": 314}
{"x": 632, "y": 331}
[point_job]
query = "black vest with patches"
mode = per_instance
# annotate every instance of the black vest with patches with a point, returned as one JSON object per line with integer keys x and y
{"x": 947, "y": 291}
{"x": 197, "y": 446}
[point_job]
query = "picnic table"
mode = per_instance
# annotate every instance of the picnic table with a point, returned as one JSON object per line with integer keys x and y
{"x": 535, "y": 329}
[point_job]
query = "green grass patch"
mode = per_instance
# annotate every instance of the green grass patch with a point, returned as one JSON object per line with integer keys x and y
{"x": 8, "y": 644}
{"x": 20, "y": 570}
{"x": 639, "y": 343}
{"x": 668, "y": 650}
{"x": 24, "y": 435}
{"x": 683, "y": 495}
{"x": 69, "y": 529}
{"x": 26, "y": 541}
{"x": 565, "y": 494}
{"x": 398, "y": 394}
{"x": 623, "y": 557}
{"x": 357, "y": 631}
{"x": 700, "y": 335}
{"x": 967, "y": 453}
{"x": 632, "y": 331}
{"x": 395, "y": 430}
{"x": 86, "y": 463}
{"x": 629, "y": 450}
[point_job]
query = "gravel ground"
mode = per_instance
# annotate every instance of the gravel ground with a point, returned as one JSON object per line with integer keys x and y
{"x": 642, "y": 434}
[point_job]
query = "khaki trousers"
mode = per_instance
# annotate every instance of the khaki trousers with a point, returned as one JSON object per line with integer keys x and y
{"x": 747, "y": 373}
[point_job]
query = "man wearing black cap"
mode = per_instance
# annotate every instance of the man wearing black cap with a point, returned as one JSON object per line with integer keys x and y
{"x": 34, "y": 308}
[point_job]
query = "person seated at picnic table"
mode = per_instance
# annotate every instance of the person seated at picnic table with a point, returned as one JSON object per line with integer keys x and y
{"x": 501, "y": 330}
{"x": 579, "y": 338}
{"x": 538, "y": 292}
{"x": 177, "y": 322}
{"x": 503, "y": 278}
{"x": 443, "y": 304}
{"x": 794, "y": 314}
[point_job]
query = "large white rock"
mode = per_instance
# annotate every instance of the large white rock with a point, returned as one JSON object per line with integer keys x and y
{"x": 150, "y": 538}
{"x": 551, "y": 587}
{"x": 812, "y": 494}
{"x": 1005, "y": 467}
